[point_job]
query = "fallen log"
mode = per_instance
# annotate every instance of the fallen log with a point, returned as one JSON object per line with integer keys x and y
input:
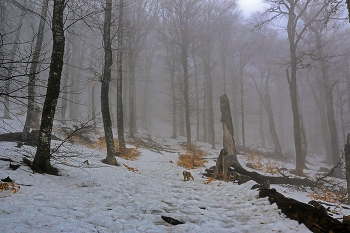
{"x": 17, "y": 137}
{"x": 317, "y": 221}
{"x": 242, "y": 175}
{"x": 273, "y": 179}
{"x": 172, "y": 221}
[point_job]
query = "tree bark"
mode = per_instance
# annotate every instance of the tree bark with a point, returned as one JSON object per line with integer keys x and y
{"x": 197, "y": 91}
{"x": 221, "y": 167}
{"x": 170, "y": 52}
{"x": 347, "y": 165}
{"x": 132, "y": 93}
{"x": 41, "y": 162}
{"x": 228, "y": 134}
{"x": 120, "y": 114}
{"x": 242, "y": 105}
{"x": 261, "y": 117}
{"x": 33, "y": 70}
{"x": 65, "y": 82}
{"x": 106, "y": 117}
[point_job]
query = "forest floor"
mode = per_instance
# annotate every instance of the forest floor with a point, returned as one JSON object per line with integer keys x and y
{"x": 96, "y": 197}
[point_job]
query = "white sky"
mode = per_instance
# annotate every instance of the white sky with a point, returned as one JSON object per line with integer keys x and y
{"x": 250, "y": 6}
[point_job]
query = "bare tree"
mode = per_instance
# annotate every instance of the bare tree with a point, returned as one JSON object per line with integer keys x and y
{"x": 106, "y": 78}
{"x": 294, "y": 10}
{"x": 41, "y": 162}
{"x": 120, "y": 115}
{"x": 33, "y": 71}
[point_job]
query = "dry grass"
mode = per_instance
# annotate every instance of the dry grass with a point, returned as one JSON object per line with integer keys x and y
{"x": 129, "y": 153}
{"x": 126, "y": 153}
{"x": 191, "y": 157}
{"x": 328, "y": 194}
{"x": 259, "y": 163}
{"x": 9, "y": 186}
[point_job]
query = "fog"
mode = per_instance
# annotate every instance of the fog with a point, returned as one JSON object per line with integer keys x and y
{"x": 179, "y": 57}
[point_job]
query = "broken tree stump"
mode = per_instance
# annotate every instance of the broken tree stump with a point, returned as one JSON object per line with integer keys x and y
{"x": 227, "y": 128}
{"x": 317, "y": 221}
{"x": 221, "y": 167}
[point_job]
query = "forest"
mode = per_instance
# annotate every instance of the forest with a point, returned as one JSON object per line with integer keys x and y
{"x": 101, "y": 84}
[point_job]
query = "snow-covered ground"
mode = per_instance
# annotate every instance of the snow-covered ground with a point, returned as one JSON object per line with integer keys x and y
{"x": 102, "y": 198}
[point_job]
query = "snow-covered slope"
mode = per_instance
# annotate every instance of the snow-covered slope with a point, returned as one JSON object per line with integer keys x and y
{"x": 101, "y": 198}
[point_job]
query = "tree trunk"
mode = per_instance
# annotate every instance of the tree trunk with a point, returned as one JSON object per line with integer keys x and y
{"x": 221, "y": 167}
{"x": 272, "y": 129}
{"x": 72, "y": 78}
{"x": 266, "y": 102}
{"x": 330, "y": 109}
{"x": 302, "y": 133}
{"x": 228, "y": 134}
{"x": 66, "y": 74}
{"x": 33, "y": 70}
{"x": 172, "y": 64}
{"x": 347, "y": 165}
{"x": 106, "y": 117}
{"x": 324, "y": 130}
{"x": 292, "y": 81}
{"x": 197, "y": 91}
{"x": 13, "y": 53}
{"x": 261, "y": 116}
{"x": 120, "y": 114}
{"x": 242, "y": 105}
{"x": 235, "y": 107}
{"x": 132, "y": 94}
{"x": 93, "y": 108}
{"x": 184, "y": 62}
{"x": 41, "y": 162}
{"x": 209, "y": 100}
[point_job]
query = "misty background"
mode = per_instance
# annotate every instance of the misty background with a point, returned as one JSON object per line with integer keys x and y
{"x": 180, "y": 56}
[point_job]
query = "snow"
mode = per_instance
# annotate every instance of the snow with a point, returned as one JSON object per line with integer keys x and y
{"x": 102, "y": 198}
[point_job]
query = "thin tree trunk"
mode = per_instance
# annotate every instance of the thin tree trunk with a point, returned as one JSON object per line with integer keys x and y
{"x": 93, "y": 108}
{"x": 33, "y": 70}
{"x": 209, "y": 100}
{"x": 184, "y": 62}
{"x": 105, "y": 109}
{"x": 242, "y": 105}
{"x": 41, "y": 162}
{"x": 8, "y": 81}
{"x": 197, "y": 91}
{"x": 120, "y": 114}
{"x": 347, "y": 165}
{"x": 72, "y": 85}
{"x": 172, "y": 64}
{"x": 235, "y": 107}
{"x": 324, "y": 130}
{"x": 261, "y": 116}
{"x": 329, "y": 106}
{"x": 302, "y": 133}
{"x": 266, "y": 101}
{"x": 66, "y": 74}
{"x": 132, "y": 95}
{"x": 292, "y": 81}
